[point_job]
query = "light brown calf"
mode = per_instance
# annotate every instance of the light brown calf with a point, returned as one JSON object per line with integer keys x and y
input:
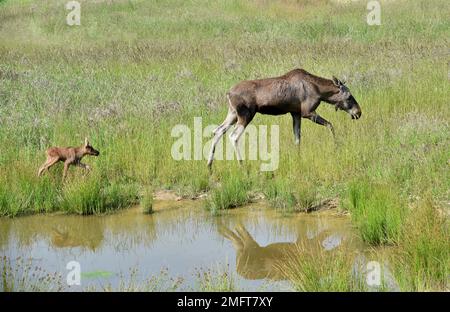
{"x": 69, "y": 155}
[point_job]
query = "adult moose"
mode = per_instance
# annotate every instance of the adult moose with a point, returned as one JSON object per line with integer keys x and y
{"x": 296, "y": 92}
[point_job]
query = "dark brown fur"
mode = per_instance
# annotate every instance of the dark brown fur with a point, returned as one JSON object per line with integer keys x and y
{"x": 296, "y": 92}
{"x": 68, "y": 155}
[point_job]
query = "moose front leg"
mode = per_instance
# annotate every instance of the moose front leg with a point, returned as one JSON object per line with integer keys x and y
{"x": 321, "y": 121}
{"x": 296, "y": 123}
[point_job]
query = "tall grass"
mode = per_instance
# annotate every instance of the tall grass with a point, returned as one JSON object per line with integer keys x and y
{"x": 161, "y": 282}
{"x": 21, "y": 275}
{"x": 377, "y": 210}
{"x": 131, "y": 72}
{"x": 232, "y": 192}
{"x": 95, "y": 196}
{"x": 83, "y": 195}
{"x": 27, "y": 195}
{"x": 423, "y": 259}
{"x": 147, "y": 201}
{"x": 134, "y": 70}
{"x": 217, "y": 280}
{"x": 291, "y": 198}
{"x": 281, "y": 196}
{"x": 323, "y": 271}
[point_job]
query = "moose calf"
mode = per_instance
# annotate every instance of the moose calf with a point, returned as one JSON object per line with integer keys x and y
{"x": 69, "y": 155}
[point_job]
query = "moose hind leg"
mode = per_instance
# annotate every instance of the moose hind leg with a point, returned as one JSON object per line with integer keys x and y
{"x": 230, "y": 119}
{"x": 244, "y": 118}
{"x": 234, "y": 137}
{"x": 219, "y": 132}
{"x": 48, "y": 163}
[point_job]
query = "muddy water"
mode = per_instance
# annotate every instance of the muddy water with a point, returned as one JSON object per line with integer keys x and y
{"x": 180, "y": 237}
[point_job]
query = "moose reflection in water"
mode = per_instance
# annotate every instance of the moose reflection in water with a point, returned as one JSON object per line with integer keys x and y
{"x": 254, "y": 261}
{"x": 65, "y": 238}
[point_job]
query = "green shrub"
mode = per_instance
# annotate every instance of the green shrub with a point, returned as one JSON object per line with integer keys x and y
{"x": 95, "y": 195}
{"x": 290, "y": 197}
{"x": 319, "y": 270}
{"x": 280, "y": 196}
{"x": 423, "y": 259}
{"x": 307, "y": 197}
{"x": 215, "y": 280}
{"x": 27, "y": 194}
{"x": 232, "y": 193}
{"x": 377, "y": 211}
{"x": 147, "y": 201}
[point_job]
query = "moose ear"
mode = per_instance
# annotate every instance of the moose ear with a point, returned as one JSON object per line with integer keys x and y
{"x": 86, "y": 142}
{"x": 336, "y": 81}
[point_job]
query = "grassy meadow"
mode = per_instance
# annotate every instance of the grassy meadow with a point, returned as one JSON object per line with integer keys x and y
{"x": 134, "y": 69}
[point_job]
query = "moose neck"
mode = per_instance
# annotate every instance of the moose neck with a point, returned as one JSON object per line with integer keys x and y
{"x": 79, "y": 152}
{"x": 328, "y": 91}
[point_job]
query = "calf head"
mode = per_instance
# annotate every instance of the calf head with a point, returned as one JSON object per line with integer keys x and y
{"x": 88, "y": 149}
{"x": 344, "y": 100}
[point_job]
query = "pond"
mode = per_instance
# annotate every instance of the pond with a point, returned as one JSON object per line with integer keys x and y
{"x": 181, "y": 238}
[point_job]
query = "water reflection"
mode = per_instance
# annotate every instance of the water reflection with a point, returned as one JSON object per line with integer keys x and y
{"x": 180, "y": 236}
{"x": 65, "y": 238}
{"x": 71, "y": 231}
{"x": 254, "y": 261}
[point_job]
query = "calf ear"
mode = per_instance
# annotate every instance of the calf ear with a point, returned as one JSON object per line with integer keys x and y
{"x": 86, "y": 142}
{"x": 336, "y": 81}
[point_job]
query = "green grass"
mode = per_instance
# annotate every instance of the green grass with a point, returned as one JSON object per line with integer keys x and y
{"x": 423, "y": 261}
{"x": 20, "y": 275}
{"x": 28, "y": 195}
{"x": 134, "y": 69}
{"x": 322, "y": 271}
{"x": 147, "y": 201}
{"x": 215, "y": 280}
{"x": 95, "y": 196}
{"x": 290, "y": 198}
{"x": 92, "y": 194}
{"x": 233, "y": 192}
{"x": 377, "y": 210}
{"x": 280, "y": 195}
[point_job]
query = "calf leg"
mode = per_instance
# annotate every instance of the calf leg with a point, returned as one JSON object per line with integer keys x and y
{"x": 296, "y": 123}
{"x": 321, "y": 121}
{"x": 84, "y": 166}
{"x": 48, "y": 163}
{"x": 66, "y": 167}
